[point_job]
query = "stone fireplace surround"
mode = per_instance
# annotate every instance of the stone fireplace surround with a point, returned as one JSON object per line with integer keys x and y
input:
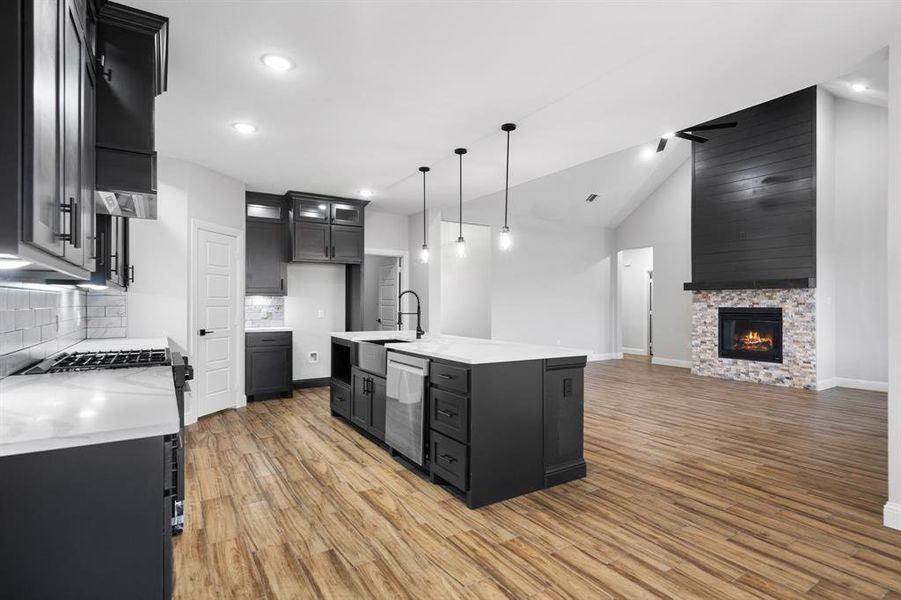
{"x": 799, "y": 362}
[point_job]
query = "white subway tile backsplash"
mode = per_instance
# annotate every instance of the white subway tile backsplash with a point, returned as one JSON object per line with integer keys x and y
{"x": 264, "y": 311}
{"x": 37, "y": 323}
{"x": 107, "y": 314}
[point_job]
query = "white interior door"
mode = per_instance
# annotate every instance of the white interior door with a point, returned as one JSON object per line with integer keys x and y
{"x": 216, "y": 332}
{"x": 388, "y": 297}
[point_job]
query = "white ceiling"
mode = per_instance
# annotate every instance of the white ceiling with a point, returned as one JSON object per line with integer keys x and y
{"x": 381, "y": 88}
{"x": 871, "y": 72}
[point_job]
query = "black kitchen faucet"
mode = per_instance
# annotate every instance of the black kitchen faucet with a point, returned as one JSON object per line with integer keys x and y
{"x": 418, "y": 313}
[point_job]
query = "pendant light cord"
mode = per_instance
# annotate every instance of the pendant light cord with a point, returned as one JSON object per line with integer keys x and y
{"x": 423, "y": 210}
{"x": 461, "y": 194}
{"x": 507, "y": 180}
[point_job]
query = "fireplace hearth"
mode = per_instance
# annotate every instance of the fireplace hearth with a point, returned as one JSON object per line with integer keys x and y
{"x": 751, "y": 334}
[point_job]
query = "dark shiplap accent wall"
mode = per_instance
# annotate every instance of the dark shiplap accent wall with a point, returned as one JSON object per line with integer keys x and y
{"x": 754, "y": 198}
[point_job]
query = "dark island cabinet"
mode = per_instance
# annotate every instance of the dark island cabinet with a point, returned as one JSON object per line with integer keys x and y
{"x": 269, "y": 363}
{"x": 368, "y": 400}
{"x": 266, "y": 251}
{"x": 326, "y": 228}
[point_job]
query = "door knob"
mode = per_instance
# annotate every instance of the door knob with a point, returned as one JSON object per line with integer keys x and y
{"x": 206, "y": 331}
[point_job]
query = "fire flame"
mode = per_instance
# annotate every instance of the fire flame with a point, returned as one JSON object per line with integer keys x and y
{"x": 754, "y": 342}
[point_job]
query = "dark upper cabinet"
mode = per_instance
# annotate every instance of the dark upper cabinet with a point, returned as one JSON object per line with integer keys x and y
{"x": 266, "y": 251}
{"x": 56, "y": 119}
{"x": 112, "y": 252}
{"x": 268, "y": 363}
{"x": 343, "y": 213}
{"x": 326, "y": 228}
{"x": 311, "y": 211}
{"x": 312, "y": 242}
{"x": 347, "y": 244}
{"x": 132, "y": 51}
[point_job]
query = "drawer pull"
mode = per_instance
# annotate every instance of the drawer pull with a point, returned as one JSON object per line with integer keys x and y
{"x": 448, "y": 458}
{"x": 447, "y": 413}
{"x": 443, "y": 376}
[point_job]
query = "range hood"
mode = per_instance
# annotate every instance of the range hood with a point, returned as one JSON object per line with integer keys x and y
{"x": 133, "y": 205}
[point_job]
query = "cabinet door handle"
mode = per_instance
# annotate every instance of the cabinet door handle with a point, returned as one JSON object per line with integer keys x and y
{"x": 131, "y": 273}
{"x": 326, "y": 251}
{"x": 281, "y": 285}
{"x": 333, "y": 252}
{"x": 65, "y": 209}
{"x": 447, "y": 413}
{"x": 448, "y": 458}
{"x": 116, "y": 268}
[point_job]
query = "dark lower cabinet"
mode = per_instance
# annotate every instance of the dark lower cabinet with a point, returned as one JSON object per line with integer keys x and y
{"x": 88, "y": 522}
{"x": 367, "y": 404}
{"x": 340, "y": 399}
{"x": 269, "y": 364}
{"x": 563, "y": 420}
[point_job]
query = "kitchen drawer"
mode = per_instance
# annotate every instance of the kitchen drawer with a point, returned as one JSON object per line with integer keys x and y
{"x": 449, "y": 414}
{"x": 340, "y": 400}
{"x": 449, "y": 377}
{"x": 449, "y": 460}
{"x": 257, "y": 339}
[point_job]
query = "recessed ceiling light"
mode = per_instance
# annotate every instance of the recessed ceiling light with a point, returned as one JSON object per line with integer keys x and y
{"x": 668, "y": 135}
{"x": 365, "y": 193}
{"x": 860, "y": 87}
{"x": 244, "y": 128}
{"x": 277, "y": 62}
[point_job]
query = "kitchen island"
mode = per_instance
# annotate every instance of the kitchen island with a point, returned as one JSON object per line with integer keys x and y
{"x": 500, "y": 419}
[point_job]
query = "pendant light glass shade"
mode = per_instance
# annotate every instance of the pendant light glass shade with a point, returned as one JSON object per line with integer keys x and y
{"x": 424, "y": 253}
{"x": 461, "y": 243}
{"x": 505, "y": 240}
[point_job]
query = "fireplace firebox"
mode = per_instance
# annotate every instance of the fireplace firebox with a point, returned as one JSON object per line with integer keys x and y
{"x": 751, "y": 334}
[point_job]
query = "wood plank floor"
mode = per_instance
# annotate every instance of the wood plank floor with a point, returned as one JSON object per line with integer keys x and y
{"x": 696, "y": 488}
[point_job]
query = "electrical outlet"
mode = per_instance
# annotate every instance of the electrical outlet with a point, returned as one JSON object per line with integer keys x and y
{"x": 314, "y": 357}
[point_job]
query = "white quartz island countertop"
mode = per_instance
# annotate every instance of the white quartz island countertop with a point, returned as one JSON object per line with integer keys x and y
{"x": 467, "y": 350}
{"x": 65, "y": 410}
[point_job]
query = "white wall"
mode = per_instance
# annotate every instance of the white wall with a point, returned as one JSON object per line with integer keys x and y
{"x": 634, "y": 290}
{"x": 663, "y": 222}
{"x": 158, "y": 301}
{"x": 466, "y": 282}
{"x": 825, "y": 292}
{"x": 314, "y": 307}
{"x": 861, "y": 293}
{"x": 385, "y": 231}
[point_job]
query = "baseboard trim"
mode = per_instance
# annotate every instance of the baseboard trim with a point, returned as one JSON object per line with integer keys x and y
{"x": 638, "y": 351}
{"x": 891, "y": 515}
{"x": 671, "y": 362}
{"x": 607, "y": 356}
{"x": 826, "y": 384}
{"x": 300, "y": 384}
{"x": 862, "y": 384}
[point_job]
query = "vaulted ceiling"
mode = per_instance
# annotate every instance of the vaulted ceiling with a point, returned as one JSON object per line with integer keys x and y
{"x": 381, "y": 88}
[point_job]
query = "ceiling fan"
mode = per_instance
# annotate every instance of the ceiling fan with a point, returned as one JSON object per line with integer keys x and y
{"x": 689, "y": 133}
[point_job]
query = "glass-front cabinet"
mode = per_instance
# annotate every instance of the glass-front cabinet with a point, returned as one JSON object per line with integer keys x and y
{"x": 326, "y": 228}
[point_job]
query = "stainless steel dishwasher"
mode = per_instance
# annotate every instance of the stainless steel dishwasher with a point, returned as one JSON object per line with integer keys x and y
{"x": 405, "y": 411}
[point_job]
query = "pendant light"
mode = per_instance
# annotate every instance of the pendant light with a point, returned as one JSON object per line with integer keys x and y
{"x": 505, "y": 241}
{"x": 424, "y": 253}
{"x": 461, "y": 243}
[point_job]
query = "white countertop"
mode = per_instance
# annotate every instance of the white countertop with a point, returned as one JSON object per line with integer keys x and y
{"x": 265, "y": 329}
{"x": 65, "y": 410}
{"x": 463, "y": 349}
